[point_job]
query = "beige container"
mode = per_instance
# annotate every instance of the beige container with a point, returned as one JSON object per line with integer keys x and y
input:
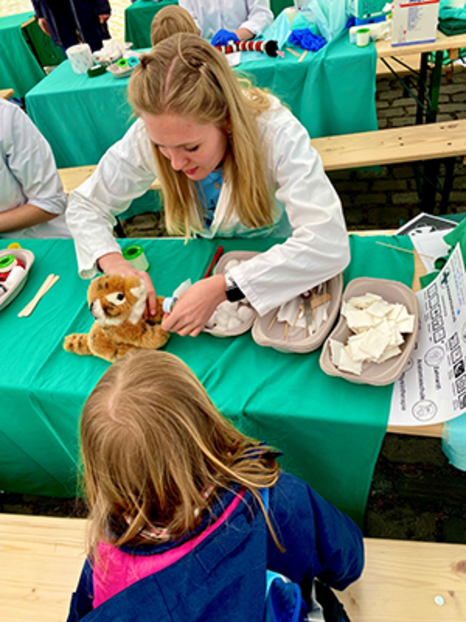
{"x": 375, "y": 373}
{"x": 27, "y": 258}
{"x": 298, "y": 341}
{"x": 220, "y": 269}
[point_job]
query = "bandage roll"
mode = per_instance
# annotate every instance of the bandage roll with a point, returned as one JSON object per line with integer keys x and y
{"x": 14, "y": 277}
{"x": 363, "y": 37}
{"x": 134, "y": 255}
{"x": 80, "y": 57}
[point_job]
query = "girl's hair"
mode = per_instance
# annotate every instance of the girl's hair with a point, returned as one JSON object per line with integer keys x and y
{"x": 186, "y": 75}
{"x": 170, "y": 20}
{"x": 153, "y": 444}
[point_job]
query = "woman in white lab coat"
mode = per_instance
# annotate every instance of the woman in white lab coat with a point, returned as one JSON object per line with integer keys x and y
{"x": 32, "y": 201}
{"x": 221, "y": 152}
{"x": 242, "y": 18}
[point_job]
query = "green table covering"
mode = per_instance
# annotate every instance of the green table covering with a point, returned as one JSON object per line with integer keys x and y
{"x": 19, "y": 69}
{"x": 329, "y": 430}
{"x": 138, "y": 19}
{"x": 332, "y": 92}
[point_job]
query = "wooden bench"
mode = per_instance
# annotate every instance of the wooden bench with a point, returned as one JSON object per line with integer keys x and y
{"x": 41, "y": 559}
{"x": 391, "y": 146}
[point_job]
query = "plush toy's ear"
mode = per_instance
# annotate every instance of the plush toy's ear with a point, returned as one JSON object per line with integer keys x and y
{"x": 132, "y": 281}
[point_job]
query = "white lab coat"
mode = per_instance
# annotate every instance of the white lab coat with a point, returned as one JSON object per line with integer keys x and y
{"x": 28, "y": 173}
{"x": 316, "y": 250}
{"x": 212, "y": 15}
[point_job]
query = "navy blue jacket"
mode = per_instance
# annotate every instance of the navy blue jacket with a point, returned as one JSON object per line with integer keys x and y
{"x": 223, "y": 578}
{"x": 64, "y": 17}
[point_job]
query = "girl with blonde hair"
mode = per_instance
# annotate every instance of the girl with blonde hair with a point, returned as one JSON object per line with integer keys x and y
{"x": 169, "y": 21}
{"x": 232, "y": 161}
{"x": 178, "y": 524}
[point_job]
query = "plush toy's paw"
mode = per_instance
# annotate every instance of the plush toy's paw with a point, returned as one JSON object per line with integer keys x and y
{"x": 77, "y": 343}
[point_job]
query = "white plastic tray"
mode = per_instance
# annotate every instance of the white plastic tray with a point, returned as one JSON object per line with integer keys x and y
{"x": 27, "y": 258}
{"x": 375, "y": 373}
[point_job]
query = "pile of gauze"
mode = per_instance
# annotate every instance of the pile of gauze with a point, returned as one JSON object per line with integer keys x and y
{"x": 229, "y": 316}
{"x": 378, "y": 327}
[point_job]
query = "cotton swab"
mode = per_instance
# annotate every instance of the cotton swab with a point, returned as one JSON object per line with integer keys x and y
{"x": 46, "y": 285}
{"x": 404, "y": 250}
{"x": 303, "y": 56}
{"x": 292, "y": 52}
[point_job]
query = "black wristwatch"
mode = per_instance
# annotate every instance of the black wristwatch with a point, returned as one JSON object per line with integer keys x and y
{"x": 232, "y": 290}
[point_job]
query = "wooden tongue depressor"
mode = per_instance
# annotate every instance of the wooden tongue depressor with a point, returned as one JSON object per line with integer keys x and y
{"x": 46, "y": 285}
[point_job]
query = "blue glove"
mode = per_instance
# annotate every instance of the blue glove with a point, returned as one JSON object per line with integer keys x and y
{"x": 223, "y": 37}
{"x": 306, "y": 39}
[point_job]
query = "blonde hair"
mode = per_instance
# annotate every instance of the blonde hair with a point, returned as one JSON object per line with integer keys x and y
{"x": 185, "y": 75}
{"x": 170, "y": 20}
{"x": 152, "y": 443}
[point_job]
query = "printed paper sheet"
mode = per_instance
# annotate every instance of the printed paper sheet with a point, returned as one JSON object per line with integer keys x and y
{"x": 432, "y": 389}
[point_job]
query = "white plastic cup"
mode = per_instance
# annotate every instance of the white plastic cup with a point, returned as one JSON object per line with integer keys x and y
{"x": 363, "y": 37}
{"x": 290, "y": 13}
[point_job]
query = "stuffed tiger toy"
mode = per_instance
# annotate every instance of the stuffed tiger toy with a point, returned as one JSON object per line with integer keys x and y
{"x": 117, "y": 304}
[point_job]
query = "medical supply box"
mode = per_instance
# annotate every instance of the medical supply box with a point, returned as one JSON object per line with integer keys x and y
{"x": 414, "y": 21}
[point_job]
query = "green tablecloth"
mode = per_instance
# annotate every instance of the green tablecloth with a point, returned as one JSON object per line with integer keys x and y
{"x": 19, "y": 69}
{"x": 138, "y": 19}
{"x": 332, "y": 92}
{"x": 329, "y": 430}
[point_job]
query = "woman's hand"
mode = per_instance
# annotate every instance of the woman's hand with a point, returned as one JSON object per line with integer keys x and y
{"x": 43, "y": 25}
{"x": 195, "y": 306}
{"x": 114, "y": 263}
{"x": 104, "y": 18}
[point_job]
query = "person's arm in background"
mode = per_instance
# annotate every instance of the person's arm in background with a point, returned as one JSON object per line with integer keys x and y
{"x": 31, "y": 162}
{"x": 124, "y": 173}
{"x": 40, "y": 16}
{"x": 259, "y": 18}
{"x": 104, "y": 10}
{"x": 191, "y": 7}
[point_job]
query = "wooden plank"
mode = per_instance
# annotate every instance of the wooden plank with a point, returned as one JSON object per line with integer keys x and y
{"x": 73, "y": 177}
{"x": 40, "y": 562}
{"x": 407, "y": 144}
{"x": 6, "y": 93}
{"x": 403, "y": 579}
{"x": 41, "y": 558}
{"x": 412, "y": 60}
{"x": 385, "y": 48}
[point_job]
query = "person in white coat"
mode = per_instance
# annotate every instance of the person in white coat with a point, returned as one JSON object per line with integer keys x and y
{"x": 225, "y": 20}
{"x": 32, "y": 201}
{"x": 221, "y": 152}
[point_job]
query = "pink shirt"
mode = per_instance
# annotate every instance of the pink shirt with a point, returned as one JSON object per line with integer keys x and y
{"x": 117, "y": 570}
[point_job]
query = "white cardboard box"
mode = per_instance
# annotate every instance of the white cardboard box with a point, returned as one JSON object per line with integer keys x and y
{"x": 414, "y": 21}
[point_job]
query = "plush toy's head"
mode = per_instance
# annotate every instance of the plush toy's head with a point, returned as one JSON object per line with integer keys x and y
{"x": 114, "y": 299}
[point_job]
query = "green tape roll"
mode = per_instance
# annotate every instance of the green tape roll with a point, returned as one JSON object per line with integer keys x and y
{"x": 134, "y": 255}
{"x": 96, "y": 70}
{"x": 7, "y": 262}
{"x": 123, "y": 63}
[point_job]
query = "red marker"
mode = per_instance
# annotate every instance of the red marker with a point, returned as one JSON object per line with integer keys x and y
{"x": 217, "y": 256}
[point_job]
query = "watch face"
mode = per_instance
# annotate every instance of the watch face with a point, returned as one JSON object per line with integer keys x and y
{"x": 234, "y": 294}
